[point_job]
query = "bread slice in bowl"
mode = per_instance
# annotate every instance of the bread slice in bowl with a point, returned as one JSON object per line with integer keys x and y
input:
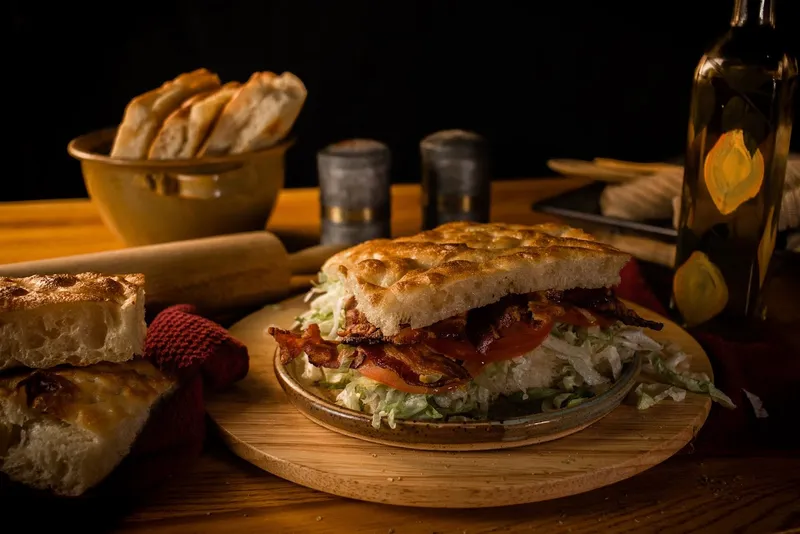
{"x": 259, "y": 116}
{"x": 145, "y": 114}
{"x": 188, "y": 127}
{"x": 74, "y": 319}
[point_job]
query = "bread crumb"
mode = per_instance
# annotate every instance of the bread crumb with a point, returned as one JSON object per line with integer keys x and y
{"x": 391, "y": 531}
{"x": 390, "y": 479}
{"x": 374, "y": 455}
{"x": 319, "y": 518}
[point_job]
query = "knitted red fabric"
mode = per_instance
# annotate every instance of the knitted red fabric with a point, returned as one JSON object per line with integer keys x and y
{"x": 202, "y": 355}
{"x": 181, "y": 343}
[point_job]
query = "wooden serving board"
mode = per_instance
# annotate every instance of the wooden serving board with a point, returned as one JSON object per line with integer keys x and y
{"x": 259, "y": 424}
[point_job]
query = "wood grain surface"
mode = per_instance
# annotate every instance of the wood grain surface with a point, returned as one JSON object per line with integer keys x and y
{"x": 34, "y": 230}
{"x": 748, "y": 489}
{"x": 260, "y": 424}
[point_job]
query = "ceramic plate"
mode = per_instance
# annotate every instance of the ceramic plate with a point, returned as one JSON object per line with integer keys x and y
{"x": 513, "y": 431}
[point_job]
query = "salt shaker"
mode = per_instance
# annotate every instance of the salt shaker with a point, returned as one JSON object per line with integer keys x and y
{"x": 354, "y": 191}
{"x": 455, "y": 178}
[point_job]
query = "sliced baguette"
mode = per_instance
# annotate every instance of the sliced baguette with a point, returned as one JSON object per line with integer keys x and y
{"x": 145, "y": 114}
{"x": 71, "y": 319}
{"x": 187, "y": 127}
{"x": 260, "y": 115}
{"x": 66, "y": 429}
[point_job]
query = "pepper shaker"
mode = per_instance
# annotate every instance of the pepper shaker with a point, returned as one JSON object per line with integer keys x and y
{"x": 354, "y": 191}
{"x": 455, "y": 178}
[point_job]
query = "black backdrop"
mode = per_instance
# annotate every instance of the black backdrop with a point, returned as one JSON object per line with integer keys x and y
{"x": 540, "y": 80}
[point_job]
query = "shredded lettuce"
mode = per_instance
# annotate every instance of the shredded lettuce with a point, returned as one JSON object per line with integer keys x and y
{"x": 648, "y": 395}
{"x": 687, "y": 381}
{"x": 572, "y": 365}
{"x": 327, "y": 307}
{"x": 384, "y": 403}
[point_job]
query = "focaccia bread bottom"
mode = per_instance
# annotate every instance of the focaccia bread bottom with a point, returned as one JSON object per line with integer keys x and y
{"x": 65, "y": 429}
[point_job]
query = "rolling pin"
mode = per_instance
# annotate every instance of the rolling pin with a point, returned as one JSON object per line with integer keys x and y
{"x": 215, "y": 274}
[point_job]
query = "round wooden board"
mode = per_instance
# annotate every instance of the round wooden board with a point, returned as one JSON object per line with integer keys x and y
{"x": 259, "y": 424}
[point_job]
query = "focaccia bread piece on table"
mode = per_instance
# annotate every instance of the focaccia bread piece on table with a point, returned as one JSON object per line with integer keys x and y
{"x": 188, "y": 127}
{"x": 260, "y": 115}
{"x": 434, "y": 275}
{"x": 75, "y": 319}
{"x": 145, "y": 114}
{"x": 65, "y": 429}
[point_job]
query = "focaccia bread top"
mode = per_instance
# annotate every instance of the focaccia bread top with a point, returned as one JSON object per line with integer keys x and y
{"x": 436, "y": 274}
{"x": 97, "y": 398}
{"x": 42, "y": 290}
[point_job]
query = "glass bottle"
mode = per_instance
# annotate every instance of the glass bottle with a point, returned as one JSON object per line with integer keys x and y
{"x": 739, "y": 130}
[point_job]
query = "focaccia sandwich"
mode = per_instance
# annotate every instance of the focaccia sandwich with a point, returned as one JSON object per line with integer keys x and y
{"x": 447, "y": 322}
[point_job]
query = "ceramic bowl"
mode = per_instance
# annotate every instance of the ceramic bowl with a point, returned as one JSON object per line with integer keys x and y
{"x": 154, "y": 201}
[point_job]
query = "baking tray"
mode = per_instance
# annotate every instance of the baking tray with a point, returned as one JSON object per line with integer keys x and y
{"x": 581, "y": 208}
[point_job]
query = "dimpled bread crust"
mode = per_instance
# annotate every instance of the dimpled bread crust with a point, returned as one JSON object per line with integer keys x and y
{"x": 433, "y": 275}
{"x": 65, "y": 429}
{"x": 75, "y": 319}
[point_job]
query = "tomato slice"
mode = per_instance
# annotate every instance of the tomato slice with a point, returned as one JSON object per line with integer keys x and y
{"x": 515, "y": 340}
{"x": 518, "y": 339}
{"x": 393, "y": 380}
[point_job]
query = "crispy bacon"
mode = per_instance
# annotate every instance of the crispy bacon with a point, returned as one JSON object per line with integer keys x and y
{"x": 321, "y": 352}
{"x": 417, "y": 365}
{"x": 358, "y": 330}
{"x": 487, "y": 322}
{"x": 603, "y": 302}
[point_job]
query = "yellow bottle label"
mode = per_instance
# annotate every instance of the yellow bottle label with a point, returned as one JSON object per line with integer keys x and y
{"x": 699, "y": 289}
{"x": 732, "y": 175}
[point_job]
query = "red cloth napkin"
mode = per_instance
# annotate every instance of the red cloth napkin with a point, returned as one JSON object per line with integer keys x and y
{"x": 763, "y": 367}
{"x": 203, "y": 357}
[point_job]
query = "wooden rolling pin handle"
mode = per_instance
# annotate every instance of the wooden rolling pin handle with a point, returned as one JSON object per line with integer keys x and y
{"x": 215, "y": 274}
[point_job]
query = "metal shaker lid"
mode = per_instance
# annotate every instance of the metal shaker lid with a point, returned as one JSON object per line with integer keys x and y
{"x": 354, "y": 173}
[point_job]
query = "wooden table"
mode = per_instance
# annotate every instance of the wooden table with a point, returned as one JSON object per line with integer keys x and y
{"x": 752, "y": 490}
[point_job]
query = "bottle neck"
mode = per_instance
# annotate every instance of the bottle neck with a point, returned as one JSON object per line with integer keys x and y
{"x": 753, "y": 13}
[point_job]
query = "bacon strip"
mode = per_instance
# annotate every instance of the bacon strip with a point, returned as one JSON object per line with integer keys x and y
{"x": 603, "y": 302}
{"x": 358, "y": 330}
{"x": 487, "y": 322}
{"x": 321, "y": 352}
{"x": 417, "y": 365}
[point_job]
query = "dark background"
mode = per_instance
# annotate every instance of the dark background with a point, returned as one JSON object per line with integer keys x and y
{"x": 576, "y": 79}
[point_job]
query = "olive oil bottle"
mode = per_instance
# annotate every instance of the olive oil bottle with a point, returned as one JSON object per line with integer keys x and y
{"x": 739, "y": 130}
